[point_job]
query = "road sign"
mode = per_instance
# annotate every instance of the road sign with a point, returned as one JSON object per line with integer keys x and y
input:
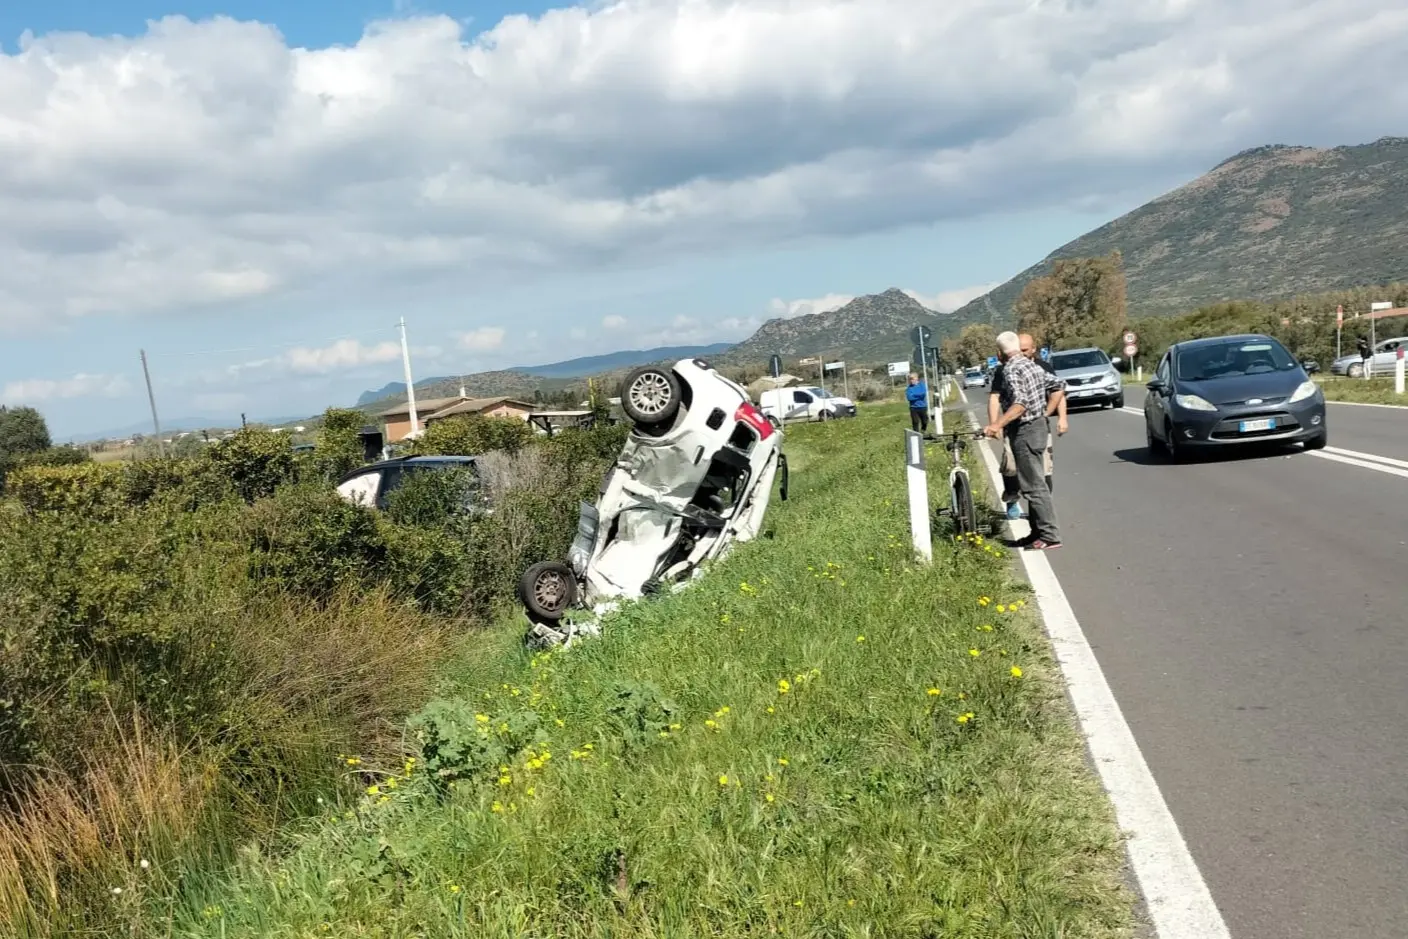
{"x": 898, "y": 369}
{"x": 1339, "y": 316}
{"x": 775, "y": 365}
{"x": 1045, "y": 353}
{"x": 921, "y": 335}
{"x": 1130, "y": 337}
{"x": 1130, "y": 348}
{"x": 833, "y": 366}
{"x": 992, "y": 361}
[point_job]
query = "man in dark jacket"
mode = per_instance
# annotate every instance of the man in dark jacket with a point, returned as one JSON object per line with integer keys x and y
{"x": 1364, "y": 354}
{"x": 917, "y": 394}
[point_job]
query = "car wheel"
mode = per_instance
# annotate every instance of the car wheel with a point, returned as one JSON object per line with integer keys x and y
{"x": 1150, "y": 441}
{"x": 825, "y": 416}
{"x": 1356, "y": 370}
{"x": 1318, "y": 442}
{"x": 548, "y": 589}
{"x": 776, "y": 424}
{"x": 1118, "y": 402}
{"x": 650, "y": 395}
{"x": 1171, "y": 447}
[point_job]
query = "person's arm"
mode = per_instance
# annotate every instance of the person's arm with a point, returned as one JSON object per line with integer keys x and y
{"x": 994, "y": 407}
{"x": 994, "y": 429}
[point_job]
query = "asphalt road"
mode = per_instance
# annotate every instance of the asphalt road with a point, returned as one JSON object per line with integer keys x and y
{"x": 1251, "y": 616}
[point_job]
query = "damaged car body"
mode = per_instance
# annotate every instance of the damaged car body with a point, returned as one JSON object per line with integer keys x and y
{"x": 694, "y": 476}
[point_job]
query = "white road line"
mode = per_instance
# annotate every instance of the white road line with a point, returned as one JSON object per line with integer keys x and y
{"x": 1178, "y": 900}
{"x": 1381, "y": 464}
{"x": 1366, "y": 404}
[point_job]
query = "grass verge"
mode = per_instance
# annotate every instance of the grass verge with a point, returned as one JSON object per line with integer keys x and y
{"x": 819, "y": 738}
{"x": 1362, "y": 391}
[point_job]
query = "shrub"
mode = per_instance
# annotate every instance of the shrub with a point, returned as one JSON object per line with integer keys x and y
{"x": 339, "y": 448}
{"x": 434, "y": 497}
{"x": 256, "y": 462}
{"x": 472, "y": 435}
{"x": 308, "y": 541}
{"x": 93, "y": 489}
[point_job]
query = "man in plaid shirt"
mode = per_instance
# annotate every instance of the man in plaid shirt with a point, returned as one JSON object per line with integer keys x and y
{"x": 1026, "y": 391}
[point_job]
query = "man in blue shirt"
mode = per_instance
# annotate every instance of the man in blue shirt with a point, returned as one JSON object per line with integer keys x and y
{"x": 917, "y": 394}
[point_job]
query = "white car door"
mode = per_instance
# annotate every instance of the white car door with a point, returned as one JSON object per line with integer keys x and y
{"x": 1385, "y": 356}
{"x": 801, "y": 409}
{"x": 361, "y": 490}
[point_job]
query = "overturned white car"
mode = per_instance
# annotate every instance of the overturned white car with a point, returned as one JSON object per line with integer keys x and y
{"x": 694, "y": 476}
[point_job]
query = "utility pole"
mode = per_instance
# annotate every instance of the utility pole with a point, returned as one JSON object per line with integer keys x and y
{"x": 410, "y": 384}
{"x": 151, "y": 399}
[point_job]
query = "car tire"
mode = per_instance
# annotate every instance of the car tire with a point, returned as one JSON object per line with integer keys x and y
{"x": 1355, "y": 371}
{"x": 1318, "y": 442}
{"x": 825, "y": 416}
{"x": 547, "y": 590}
{"x": 776, "y": 424}
{"x": 1171, "y": 447}
{"x": 650, "y": 396}
{"x": 1118, "y": 402}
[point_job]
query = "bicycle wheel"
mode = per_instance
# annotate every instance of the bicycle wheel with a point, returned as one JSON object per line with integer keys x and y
{"x": 964, "y": 518}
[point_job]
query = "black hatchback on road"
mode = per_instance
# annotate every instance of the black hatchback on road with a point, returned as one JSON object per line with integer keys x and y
{"x": 1229, "y": 390}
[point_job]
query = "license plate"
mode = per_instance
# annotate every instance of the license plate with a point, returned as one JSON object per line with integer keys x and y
{"x": 1268, "y": 423}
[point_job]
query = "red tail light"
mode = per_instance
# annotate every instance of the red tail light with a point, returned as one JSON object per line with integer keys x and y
{"x": 754, "y": 419}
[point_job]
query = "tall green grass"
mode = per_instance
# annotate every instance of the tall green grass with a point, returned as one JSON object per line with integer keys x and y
{"x": 819, "y": 738}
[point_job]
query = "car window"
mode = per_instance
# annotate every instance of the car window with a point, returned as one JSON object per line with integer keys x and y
{"x": 1163, "y": 370}
{"x": 1066, "y": 360}
{"x": 361, "y": 489}
{"x": 1234, "y": 358}
{"x": 801, "y": 397}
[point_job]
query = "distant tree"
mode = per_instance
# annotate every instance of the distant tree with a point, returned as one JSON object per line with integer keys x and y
{"x": 22, "y": 431}
{"x": 973, "y": 345}
{"x": 1081, "y": 302}
{"x": 339, "y": 448}
{"x": 473, "y": 434}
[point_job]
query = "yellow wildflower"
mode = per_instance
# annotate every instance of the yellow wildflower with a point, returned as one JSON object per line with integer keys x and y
{"x": 783, "y": 686}
{"x": 1016, "y": 672}
{"x": 934, "y": 692}
{"x": 723, "y": 780}
{"x": 860, "y": 639}
{"x": 974, "y": 653}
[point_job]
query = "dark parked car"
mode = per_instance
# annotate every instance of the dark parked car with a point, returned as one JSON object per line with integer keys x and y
{"x": 1230, "y": 390}
{"x": 370, "y": 485}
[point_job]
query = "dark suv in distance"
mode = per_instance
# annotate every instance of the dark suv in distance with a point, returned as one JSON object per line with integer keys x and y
{"x": 370, "y": 485}
{"x": 1231, "y": 390}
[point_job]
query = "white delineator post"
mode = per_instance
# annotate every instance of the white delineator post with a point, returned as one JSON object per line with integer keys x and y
{"x": 1398, "y": 374}
{"x": 918, "y": 480}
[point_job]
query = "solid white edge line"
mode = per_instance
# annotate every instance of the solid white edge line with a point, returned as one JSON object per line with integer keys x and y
{"x": 1366, "y": 404}
{"x": 1372, "y": 461}
{"x": 1177, "y": 898}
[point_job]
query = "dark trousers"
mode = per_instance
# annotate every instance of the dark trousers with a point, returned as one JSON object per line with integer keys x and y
{"x": 1028, "y": 452}
{"x": 919, "y": 419}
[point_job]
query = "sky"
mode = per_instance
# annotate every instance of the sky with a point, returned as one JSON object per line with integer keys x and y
{"x": 255, "y": 193}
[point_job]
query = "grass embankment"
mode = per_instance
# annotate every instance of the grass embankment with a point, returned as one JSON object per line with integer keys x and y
{"x": 1362, "y": 391}
{"x": 819, "y": 738}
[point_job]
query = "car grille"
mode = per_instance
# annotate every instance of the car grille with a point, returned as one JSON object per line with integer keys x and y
{"x": 1227, "y": 429}
{"x": 1080, "y": 381}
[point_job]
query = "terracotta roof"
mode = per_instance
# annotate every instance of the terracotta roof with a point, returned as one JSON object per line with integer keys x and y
{"x": 423, "y": 407}
{"x": 474, "y": 406}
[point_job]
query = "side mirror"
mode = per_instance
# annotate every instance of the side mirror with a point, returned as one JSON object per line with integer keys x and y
{"x": 1116, "y": 360}
{"x": 1154, "y": 384}
{"x": 1310, "y": 366}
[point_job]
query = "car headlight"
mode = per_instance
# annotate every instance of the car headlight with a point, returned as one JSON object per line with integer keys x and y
{"x": 1306, "y": 389}
{"x": 1193, "y": 403}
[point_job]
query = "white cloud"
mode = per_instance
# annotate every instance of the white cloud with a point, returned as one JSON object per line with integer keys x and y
{"x": 946, "y": 301}
{"x": 33, "y": 391}
{"x": 483, "y": 339}
{"x": 343, "y": 354}
{"x": 211, "y": 163}
{"x": 787, "y": 309}
{"x": 613, "y": 321}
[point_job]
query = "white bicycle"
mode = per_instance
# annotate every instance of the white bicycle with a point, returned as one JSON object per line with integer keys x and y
{"x": 960, "y": 487}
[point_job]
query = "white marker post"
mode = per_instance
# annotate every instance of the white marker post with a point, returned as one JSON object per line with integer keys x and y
{"x": 1398, "y": 374}
{"x": 918, "y": 479}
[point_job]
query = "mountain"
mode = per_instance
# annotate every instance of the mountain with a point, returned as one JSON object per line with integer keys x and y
{"x": 872, "y": 328}
{"x": 595, "y": 364}
{"x": 393, "y": 388}
{"x": 1269, "y": 223}
{"x": 177, "y": 425}
{"x": 478, "y": 385}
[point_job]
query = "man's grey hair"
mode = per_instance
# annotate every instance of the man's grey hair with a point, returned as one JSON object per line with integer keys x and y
{"x": 1009, "y": 343}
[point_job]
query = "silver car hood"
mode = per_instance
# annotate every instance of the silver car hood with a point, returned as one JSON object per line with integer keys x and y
{"x": 1068, "y": 374}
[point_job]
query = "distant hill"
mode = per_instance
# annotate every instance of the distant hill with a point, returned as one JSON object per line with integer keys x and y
{"x": 596, "y": 364}
{"x": 477, "y": 385}
{"x": 397, "y": 388}
{"x": 1269, "y": 223}
{"x": 178, "y": 425}
{"x": 872, "y": 328}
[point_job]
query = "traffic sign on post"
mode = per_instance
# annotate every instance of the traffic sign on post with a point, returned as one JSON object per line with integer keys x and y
{"x": 1130, "y": 337}
{"x": 775, "y": 365}
{"x": 1130, "y": 349}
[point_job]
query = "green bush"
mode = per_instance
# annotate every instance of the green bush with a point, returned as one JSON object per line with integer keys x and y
{"x": 308, "y": 541}
{"x": 94, "y": 489}
{"x": 339, "y": 448}
{"x": 256, "y": 462}
{"x": 472, "y": 435}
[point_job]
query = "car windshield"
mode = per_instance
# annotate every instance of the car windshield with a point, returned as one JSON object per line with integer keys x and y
{"x": 1061, "y": 361}
{"x": 1234, "y": 358}
{"x": 818, "y": 392}
{"x": 973, "y": 372}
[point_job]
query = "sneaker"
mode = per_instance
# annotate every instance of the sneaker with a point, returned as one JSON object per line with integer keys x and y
{"x": 1014, "y": 511}
{"x": 1040, "y": 545}
{"x": 1019, "y": 542}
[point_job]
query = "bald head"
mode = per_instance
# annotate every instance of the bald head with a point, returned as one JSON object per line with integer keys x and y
{"x": 1027, "y": 345}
